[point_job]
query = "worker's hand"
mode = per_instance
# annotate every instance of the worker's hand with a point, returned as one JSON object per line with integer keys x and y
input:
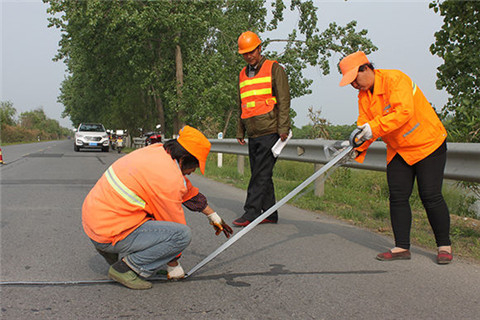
{"x": 366, "y": 133}
{"x": 219, "y": 225}
{"x": 241, "y": 141}
{"x": 352, "y": 155}
{"x": 283, "y": 136}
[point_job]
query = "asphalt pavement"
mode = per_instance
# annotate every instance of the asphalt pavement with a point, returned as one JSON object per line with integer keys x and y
{"x": 308, "y": 266}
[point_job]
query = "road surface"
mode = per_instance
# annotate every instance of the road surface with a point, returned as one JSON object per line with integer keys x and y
{"x": 309, "y": 266}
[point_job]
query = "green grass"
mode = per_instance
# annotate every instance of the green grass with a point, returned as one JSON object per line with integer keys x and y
{"x": 361, "y": 198}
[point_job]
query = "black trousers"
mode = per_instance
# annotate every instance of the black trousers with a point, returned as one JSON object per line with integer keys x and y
{"x": 261, "y": 193}
{"x": 429, "y": 174}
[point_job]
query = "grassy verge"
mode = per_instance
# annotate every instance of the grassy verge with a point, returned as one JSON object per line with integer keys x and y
{"x": 361, "y": 198}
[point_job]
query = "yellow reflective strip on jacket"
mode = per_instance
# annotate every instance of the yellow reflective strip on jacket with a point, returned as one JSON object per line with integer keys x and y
{"x": 256, "y": 92}
{"x": 255, "y": 81}
{"x": 251, "y": 104}
{"x": 272, "y": 99}
{"x": 414, "y": 85}
{"x": 122, "y": 189}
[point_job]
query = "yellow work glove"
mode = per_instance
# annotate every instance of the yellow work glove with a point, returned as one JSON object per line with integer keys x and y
{"x": 366, "y": 133}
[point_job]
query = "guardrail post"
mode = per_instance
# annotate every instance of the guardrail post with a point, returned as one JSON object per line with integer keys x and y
{"x": 320, "y": 181}
{"x": 220, "y": 155}
{"x": 241, "y": 164}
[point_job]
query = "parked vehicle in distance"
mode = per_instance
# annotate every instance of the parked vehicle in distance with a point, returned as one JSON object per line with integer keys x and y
{"x": 153, "y": 136}
{"x": 119, "y": 142}
{"x": 91, "y": 135}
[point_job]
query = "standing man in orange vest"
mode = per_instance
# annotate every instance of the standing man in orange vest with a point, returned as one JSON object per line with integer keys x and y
{"x": 135, "y": 210}
{"x": 264, "y": 96}
{"x": 392, "y": 107}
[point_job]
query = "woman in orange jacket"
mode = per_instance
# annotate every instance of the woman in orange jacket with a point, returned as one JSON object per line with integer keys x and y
{"x": 392, "y": 107}
{"x": 135, "y": 209}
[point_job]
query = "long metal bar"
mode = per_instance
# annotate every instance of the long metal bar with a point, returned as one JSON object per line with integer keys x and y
{"x": 72, "y": 282}
{"x": 267, "y": 213}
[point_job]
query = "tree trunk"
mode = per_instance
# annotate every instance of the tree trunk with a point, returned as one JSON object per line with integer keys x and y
{"x": 161, "y": 112}
{"x": 179, "y": 116}
{"x": 227, "y": 121}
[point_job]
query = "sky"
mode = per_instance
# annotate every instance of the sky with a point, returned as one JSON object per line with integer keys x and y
{"x": 402, "y": 30}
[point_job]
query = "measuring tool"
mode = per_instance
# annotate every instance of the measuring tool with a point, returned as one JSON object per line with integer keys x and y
{"x": 353, "y": 143}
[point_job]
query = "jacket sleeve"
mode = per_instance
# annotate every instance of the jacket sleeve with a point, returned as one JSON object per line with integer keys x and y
{"x": 281, "y": 90}
{"x": 401, "y": 107}
{"x": 191, "y": 191}
{"x": 362, "y": 119}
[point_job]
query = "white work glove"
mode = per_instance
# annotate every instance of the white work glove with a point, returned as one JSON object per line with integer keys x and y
{"x": 366, "y": 133}
{"x": 175, "y": 273}
{"x": 219, "y": 225}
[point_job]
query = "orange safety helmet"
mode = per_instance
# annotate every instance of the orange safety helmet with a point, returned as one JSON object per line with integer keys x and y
{"x": 247, "y": 42}
{"x": 196, "y": 143}
{"x": 349, "y": 66}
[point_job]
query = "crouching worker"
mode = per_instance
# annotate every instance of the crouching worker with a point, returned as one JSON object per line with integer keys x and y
{"x": 135, "y": 209}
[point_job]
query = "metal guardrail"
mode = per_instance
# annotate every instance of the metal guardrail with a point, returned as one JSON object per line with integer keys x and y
{"x": 139, "y": 142}
{"x": 463, "y": 159}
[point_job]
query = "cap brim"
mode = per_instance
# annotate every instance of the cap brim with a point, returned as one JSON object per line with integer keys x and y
{"x": 247, "y": 50}
{"x": 202, "y": 166}
{"x": 349, "y": 77}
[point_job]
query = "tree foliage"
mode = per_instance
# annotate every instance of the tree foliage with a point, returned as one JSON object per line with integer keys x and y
{"x": 31, "y": 125}
{"x": 7, "y": 113}
{"x": 136, "y": 63}
{"x": 457, "y": 43}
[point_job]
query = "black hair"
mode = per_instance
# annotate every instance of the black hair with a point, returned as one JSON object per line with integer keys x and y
{"x": 364, "y": 66}
{"x": 179, "y": 153}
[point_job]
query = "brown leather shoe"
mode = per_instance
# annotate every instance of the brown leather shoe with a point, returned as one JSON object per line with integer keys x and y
{"x": 444, "y": 257}
{"x": 390, "y": 256}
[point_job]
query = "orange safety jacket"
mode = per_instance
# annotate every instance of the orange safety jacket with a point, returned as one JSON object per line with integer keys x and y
{"x": 399, "y": 113}
{"x": 256, "y": 93}
{"x": 146, "y": 184}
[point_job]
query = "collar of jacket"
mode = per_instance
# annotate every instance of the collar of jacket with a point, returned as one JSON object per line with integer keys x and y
{"x": 257, "y": 67}
{"x": 378, "y": 86}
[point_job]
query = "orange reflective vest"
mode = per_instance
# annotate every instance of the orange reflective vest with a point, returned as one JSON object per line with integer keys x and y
{"x": 256, "y": 93}
{"x": 143, "y": 185}
{"x": 399, "y": 113}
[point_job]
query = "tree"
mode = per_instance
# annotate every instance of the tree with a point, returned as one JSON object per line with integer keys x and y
{"x": 136, "y": 63}
{"x": 7, "y": 113}
{"x": 457, "y": 44}
{"x": 35, "y": 119}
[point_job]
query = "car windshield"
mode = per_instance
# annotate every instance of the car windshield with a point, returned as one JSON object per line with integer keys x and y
{"x": 92, "y": 128}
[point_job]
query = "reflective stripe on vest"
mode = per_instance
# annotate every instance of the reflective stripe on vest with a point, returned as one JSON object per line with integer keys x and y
{"x": 256, "y": 81}
{"x": 414, "y": 87}
{"x": 122, "y": 189}
{"x": 256, "y": 93}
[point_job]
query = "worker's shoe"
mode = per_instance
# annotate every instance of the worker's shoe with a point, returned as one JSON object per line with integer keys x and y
{"x": 111, "y": 258}
{"x": 129, "y": 279}
{"x": 241, "y": 222}
{"x": 444, "y": 257}
{"x": 390, "y": 256}
{"x": 175, "y": 273}
{"x": 269, "y": 220}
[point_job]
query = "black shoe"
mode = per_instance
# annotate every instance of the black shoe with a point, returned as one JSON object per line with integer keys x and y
{"x": 241, "y": 222}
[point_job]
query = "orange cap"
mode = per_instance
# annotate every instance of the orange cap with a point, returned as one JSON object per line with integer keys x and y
{"x": 196, "y": 143}
{"x": 247, "y": 42}
{"x": 349, "y": 66}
